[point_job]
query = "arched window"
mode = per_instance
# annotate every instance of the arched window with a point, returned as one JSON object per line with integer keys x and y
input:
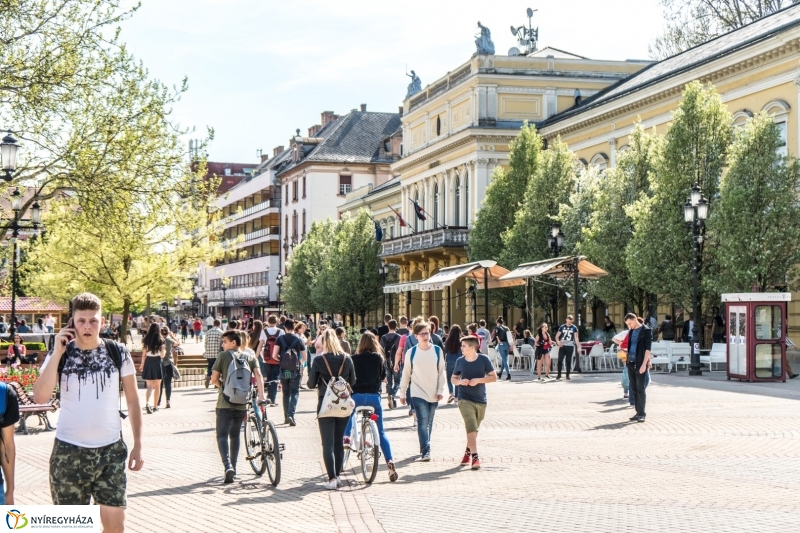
{"x": 780, "y": 113}
{"x": 466, "y": 199}
{"x": 457, "y": 204}
{"x": 600, "y": 162}
{"x": 435, "y": 204}
{"x": 740, "y": 118}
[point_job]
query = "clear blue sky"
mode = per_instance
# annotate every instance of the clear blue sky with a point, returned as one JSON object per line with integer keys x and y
{"x": 260, "y": 69}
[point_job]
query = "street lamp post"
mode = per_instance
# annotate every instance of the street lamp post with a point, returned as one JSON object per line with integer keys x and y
{"x": 695, "y": 212}
{"x": 279, "y": 283}
{"x": 224, "y": 287}
{"x": 8, "y": 155}
{"x": 16, "y": 225}
{"x": 555, "y": 241}
{"x": 383, "y": 271}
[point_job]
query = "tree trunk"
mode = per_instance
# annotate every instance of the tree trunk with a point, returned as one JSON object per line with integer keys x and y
{"x": 123, "y": 329}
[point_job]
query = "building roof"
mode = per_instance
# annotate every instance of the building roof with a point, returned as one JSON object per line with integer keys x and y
{"x": 692, "y": 58}
{"x": 353, "y": 138}
{"x": 27, "y": 304}
{"x": 556, "y": 53}
{"x": 394, "y": 182}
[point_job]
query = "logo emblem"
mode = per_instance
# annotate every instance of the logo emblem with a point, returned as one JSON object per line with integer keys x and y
{"x": 16, "y": 519}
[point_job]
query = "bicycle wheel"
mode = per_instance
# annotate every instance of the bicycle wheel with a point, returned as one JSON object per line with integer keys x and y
{"x": 352, "y": 443}
{"x": 370, "y": 452}
{"x": 272, "y": 453}
{"x": 254, "y": 444}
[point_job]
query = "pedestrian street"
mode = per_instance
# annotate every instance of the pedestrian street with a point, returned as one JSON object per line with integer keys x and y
{"x": 713, "y": 455}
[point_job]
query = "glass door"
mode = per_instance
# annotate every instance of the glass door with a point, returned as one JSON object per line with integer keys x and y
{"x": 737, "y": 339}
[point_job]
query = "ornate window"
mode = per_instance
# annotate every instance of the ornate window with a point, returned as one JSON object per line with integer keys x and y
{"x": 600, "y": 162}
{"x": 345, "y": 184}
{"x": 780, "y": 113}
{"x": 740, "y": 118}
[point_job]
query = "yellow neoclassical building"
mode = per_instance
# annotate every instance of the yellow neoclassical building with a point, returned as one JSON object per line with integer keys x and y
{"x": 457, "y": 130}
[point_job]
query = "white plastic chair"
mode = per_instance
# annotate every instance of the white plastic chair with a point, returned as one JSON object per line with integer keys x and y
{"x": 525, "y": 352}
{"x": 494, "y": 356}
{"x": 717, "y": 356}
{"x": 680, "y": 354}
{"x": 659, "y": 356}
{"x": 596, "y": 353}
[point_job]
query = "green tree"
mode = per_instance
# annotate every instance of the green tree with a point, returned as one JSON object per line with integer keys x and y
{"x": 91, "y": 121}
{"x": 144, "y": 248}
{"x": 608, "y": 232}
{"x": 755, "y": 229}
{"x": 350, "y": 282}
{"x": 693, "y": 22}
{"x": 547, "y": 189}
{"x": 504, "y": 196}
{"x": 659, "y": 257}
{"x": 304, "y": 267}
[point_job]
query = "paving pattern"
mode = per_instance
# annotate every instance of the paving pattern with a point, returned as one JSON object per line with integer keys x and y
{"x": 561, "y": 456}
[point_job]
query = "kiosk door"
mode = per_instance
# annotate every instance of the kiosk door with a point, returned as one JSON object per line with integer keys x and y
{"x": 737, "y": 340}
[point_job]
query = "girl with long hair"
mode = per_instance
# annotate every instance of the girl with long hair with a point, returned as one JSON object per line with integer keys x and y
{"x": 370, "y": 373}
{"x": 452, "y": 351}
{"x": 542, "y": 345}
{"x": 153, "y": 352}
{"x": 331, "y": 429}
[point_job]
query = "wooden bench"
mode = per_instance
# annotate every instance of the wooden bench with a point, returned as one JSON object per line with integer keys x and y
{"x": 28, "y": 408}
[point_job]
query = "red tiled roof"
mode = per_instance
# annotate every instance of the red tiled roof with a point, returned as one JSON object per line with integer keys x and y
{"x": 26, "y": 304}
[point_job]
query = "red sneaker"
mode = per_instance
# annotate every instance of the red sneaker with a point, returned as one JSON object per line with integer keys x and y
{"x": 466, "y": 460}
{"x": 476, "y": 463}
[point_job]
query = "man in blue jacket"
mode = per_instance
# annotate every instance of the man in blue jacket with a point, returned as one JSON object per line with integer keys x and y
{"x": 640, "y": 340}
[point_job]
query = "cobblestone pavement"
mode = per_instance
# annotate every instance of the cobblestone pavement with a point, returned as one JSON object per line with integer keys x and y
{"x": 560, "y": 456}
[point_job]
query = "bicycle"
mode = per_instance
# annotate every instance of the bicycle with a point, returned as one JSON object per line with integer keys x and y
{"x": 367, "y": 448}
{"x": 264, "y": 452}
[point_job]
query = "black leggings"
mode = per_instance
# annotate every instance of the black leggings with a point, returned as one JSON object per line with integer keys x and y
{"x": 166, "y": 382}
{"x": 229, "y": 426}
{"x": 331, "y": 430}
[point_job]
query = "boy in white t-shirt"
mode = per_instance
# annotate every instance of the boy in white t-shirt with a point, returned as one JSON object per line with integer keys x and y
{"x": 89, "y": 456}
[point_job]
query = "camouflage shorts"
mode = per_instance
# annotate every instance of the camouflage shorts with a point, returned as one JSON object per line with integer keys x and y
{"x": 76, "y": 474}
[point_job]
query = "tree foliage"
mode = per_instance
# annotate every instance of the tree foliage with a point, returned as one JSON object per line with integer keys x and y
{"x": 335, "y": 269}
{"x": 755, "y": 229}
{"x": 91, "y": 121}
{"x": 607, "y": 234}
{"x": 693, "y": 22}
{"x": 659, "y": 256}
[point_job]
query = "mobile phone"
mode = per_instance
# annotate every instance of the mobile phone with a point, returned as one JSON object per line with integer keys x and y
{"x": 70, "y": 325}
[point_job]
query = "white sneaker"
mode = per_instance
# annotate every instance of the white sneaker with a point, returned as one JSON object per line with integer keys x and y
{"x": 338, "y": 482}
{"x": 331, "y": 485}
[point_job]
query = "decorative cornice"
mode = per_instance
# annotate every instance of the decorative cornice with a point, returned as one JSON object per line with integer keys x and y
{"x": 449, "y": 146}
{"x": 671, "y": 92}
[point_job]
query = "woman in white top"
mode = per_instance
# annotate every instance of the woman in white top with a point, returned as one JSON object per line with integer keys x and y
{"x": 153, "y": 350}
{"x": 424, "y": 372}
{"x": 39, "y": 327}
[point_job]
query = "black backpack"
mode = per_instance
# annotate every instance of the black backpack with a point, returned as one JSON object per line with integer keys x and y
{"x": 114, "y": 352}
{"x": 290, "y": 354}
{"x": 389, "y": 345}
{"x": 501, "y": 332}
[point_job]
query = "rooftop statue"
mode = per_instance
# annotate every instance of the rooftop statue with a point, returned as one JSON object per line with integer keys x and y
{"x": 415, "y": 86}
{"x": 483, "y": 42}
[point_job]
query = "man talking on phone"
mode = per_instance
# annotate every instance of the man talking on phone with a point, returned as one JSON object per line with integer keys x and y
{"x": 89, "y": 455}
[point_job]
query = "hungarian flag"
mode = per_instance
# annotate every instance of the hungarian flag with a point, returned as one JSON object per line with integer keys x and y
{"x": 402, "y": 222}
{"x": 418, "y": 209}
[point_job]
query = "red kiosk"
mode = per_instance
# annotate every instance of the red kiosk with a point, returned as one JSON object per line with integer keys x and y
{"x": 756, "y": 325}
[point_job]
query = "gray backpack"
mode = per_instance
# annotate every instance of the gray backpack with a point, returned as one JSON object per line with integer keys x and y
{"x": 237, "y": 385}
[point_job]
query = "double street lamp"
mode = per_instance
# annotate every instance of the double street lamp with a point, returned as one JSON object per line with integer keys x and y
{"x": 8, "y": 158}
{"x": 695, "y": 212}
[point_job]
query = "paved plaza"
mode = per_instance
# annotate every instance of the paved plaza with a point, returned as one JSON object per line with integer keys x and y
{"x": 713, "y": 455}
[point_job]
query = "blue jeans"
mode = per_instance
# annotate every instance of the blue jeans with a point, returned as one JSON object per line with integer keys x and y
{"x": 210, "y": 362}
{"x": 372, "y": 400}
{"x": 449, "y": 367}
{"x": 425, "y": 411}
{"x": 2, "y": 494}
{"x": 291, "y": 393}
{"x": 392, "y": 380}
{"x": 502, "y": 348}
{"x": 271, "y": 373}
{"x": 49, "y": 330}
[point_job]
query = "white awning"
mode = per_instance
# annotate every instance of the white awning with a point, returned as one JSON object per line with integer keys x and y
{"x": 556, "y": 267}
{"x": 446, "y": 277}
{"x": 397, "y": 288}
{"x": 475, "y": 271}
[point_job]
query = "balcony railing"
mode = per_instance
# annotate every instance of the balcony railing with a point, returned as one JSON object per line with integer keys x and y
{"x": 253, "y": 209}
{"x": 425, "y": 240}
{"x": 257, "y": 234}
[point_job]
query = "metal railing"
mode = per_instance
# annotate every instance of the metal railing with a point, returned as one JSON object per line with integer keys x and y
{"x": 257, "y": 234}
{"x": 425, "y": 240}
{"x": 268, "y": 204}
